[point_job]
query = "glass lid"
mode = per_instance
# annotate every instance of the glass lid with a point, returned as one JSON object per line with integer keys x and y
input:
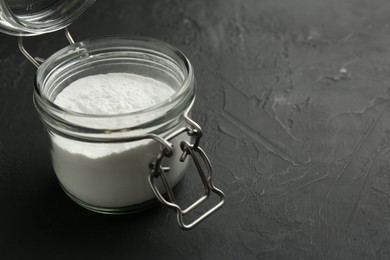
{"x": 33, "y": 17}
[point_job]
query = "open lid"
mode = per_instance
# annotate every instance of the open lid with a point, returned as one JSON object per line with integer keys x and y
{"x": 34, "y": 17}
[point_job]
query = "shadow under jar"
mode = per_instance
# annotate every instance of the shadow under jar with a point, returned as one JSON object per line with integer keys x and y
{"x": 120, "y": 163}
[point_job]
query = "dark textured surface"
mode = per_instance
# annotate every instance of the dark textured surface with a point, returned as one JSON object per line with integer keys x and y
{"x": 293, "y": 97}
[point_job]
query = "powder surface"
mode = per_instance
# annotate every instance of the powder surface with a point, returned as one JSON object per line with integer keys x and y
{"x": 112, "y": 174}
{"x": 112, "y": 93}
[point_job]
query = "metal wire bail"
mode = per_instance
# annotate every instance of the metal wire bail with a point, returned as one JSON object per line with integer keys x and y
{"x": 157, "y": 170}
{"x": 37, "y": 61}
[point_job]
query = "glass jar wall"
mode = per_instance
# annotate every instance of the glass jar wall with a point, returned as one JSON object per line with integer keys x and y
{"x": 99, "y": 160}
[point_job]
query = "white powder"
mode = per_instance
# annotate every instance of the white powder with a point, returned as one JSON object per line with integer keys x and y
{"x": 111, "y": 175}
{"x": 113, "y": 93}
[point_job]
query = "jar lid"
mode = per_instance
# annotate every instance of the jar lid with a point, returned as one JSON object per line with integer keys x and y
{"x": 34, "y": 17}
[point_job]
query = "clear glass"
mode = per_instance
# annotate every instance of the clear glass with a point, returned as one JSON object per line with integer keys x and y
{"x": 96, "y": 170}
{"x": 33, "y": 17}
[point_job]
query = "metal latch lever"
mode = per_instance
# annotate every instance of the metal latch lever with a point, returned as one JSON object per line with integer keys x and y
{"x": 189, "y": 149}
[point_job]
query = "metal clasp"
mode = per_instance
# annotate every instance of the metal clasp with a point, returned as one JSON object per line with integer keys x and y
{"x": 37, "y": 61}
{"x": 157, "y": 170}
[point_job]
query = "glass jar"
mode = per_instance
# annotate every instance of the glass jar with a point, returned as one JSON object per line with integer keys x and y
{"x": 121, "y": 163}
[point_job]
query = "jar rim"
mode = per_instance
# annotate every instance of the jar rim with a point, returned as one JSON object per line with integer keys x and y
{"x": 181, "y": 98}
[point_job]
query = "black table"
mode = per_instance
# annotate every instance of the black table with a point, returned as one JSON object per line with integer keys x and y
{"x": 293, "y": 97}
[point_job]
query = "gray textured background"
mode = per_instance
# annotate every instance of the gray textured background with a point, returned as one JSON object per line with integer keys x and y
{"x": 293, "y": 97}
